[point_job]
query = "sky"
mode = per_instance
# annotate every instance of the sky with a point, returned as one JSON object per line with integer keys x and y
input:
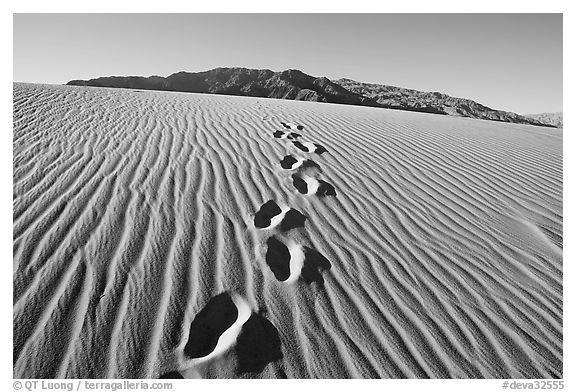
{"x": 509, "y": 62}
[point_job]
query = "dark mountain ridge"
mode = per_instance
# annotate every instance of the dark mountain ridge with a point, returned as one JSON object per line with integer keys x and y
{"x": 290, "y": 84}
{"x": 555, "y": 119}
{"x": 295, "y": 85}
{"x": 432, "y": 102}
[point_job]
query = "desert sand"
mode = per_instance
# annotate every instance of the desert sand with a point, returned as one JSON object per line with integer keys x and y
{"x": 163, "y": 234}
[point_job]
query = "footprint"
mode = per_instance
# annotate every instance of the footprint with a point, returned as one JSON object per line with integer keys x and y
{"x": 310, "y": 186}
{"x": 258, "y": 345}
{"x": 216, "y": 327}
{"x": 255, "y": 339}
{"x": 310, "y": 147}
{"x": 292, "y": 220}
{"x": 314, "y": 264}
{"x": 271, "y": 215}
{"x": 286, "y": 135}
{"x": 264, "y": 216}
{"x": 289, "y": 262}
{"x": 290, "y": 163}
{"x": 292, "y": 126}
{"x": 224, "y": 322}
{"x": 301, "y": 185}
{"x": 320, "y": 149}
{"x": 325, "y": 189}
{"x": 284, "y": 261}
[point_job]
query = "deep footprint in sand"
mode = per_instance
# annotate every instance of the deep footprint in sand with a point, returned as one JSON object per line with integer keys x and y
{"x": 310, "y": 186}
{"x": 292, "y": 126}
{"x": 279, "y": 259}
{"x": 267, "y": 212}
{"x": 292, "y": 220}
{"x": 310, "y": 147}
{"x": 227, "y": 321}
{"x": 258, "y": 345}
{"x": 286, "y": 135}
{"x": 271, "y": 215}
{"x": 291, "y": 261}
{"x": 216, "y": 327}
{"x": 314, "y": 264}
{"x": 325, "y": 189}
{"x": 291, "y": 163}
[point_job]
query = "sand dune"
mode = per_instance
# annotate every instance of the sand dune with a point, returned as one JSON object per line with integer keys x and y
{"x": 438, "y": 255}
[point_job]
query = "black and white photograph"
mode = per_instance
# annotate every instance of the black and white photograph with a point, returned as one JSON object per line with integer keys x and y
{"x": 288, "y": 196}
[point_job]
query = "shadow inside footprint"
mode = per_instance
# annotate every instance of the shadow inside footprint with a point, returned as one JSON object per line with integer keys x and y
{"x": 309, "y": 164}
{"x": 320, "y": 149}
{"x": 292, "y": 126}
{"x": 292, "y": 220}
{"x": 288, "y": 161}
{"x": 215, "y": 318}
{"x": 258, "y": 345}
{"x": 301, "y": 146}
{"x": 174, "y": 375}
{"x": 310, "y": 147}
{"x": 278, "y": 134}
{"x": 314, "y": 264}
{"x": 300, "y": 184}
{"x": 294, "y": 135}
{"x": 325, "y": 189}
{"x": 278, "y": 259}
{"x": 263, "y": 217}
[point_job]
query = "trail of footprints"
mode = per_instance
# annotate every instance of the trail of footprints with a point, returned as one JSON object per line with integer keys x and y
{"x": 227, "y": 320}
{"x": 288, "y": 260}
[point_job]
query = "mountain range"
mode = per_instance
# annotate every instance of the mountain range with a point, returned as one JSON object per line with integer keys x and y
{"x": 295, "y": 85}
{"x": 554, "y": 119}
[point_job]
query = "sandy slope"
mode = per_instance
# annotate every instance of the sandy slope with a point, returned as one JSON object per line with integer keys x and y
{"x": 133, "y": 209}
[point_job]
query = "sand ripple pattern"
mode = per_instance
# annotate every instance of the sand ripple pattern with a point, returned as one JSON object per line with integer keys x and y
{"x": 132, "y": 209}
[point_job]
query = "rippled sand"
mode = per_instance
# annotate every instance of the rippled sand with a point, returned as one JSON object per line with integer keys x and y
{"x": 132, "y": 209}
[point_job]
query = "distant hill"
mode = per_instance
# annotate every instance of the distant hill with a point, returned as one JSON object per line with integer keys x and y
{"x": 554, "y": 119}
{"x": 290, "y": 84}
{"x": 431, "y": 102}
{"x": 296, "y": 85}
